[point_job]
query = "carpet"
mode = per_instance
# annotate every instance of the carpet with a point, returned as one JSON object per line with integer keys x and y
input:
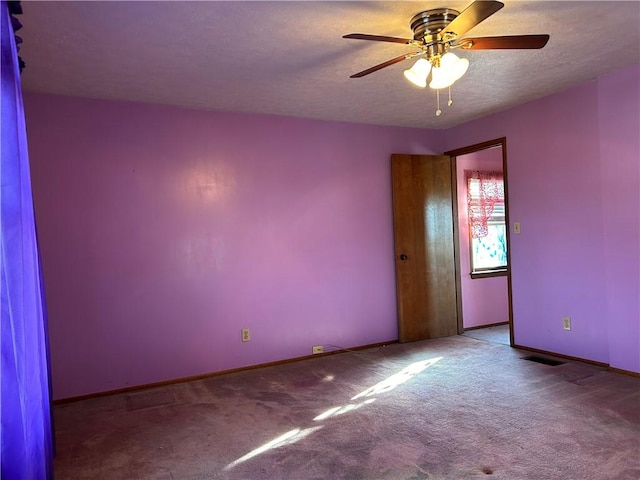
{"x": 450, "y": 408}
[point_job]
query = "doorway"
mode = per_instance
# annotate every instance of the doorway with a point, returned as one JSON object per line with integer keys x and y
{"x": 483, "y": 292}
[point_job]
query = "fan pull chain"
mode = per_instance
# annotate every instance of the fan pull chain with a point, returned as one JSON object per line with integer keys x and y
{"x": 449, "y": 102}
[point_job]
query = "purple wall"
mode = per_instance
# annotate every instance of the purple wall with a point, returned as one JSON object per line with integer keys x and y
{"x": 484, "y": 300}
{"x": 573, "y": 163}
{"x": 618, "y": 100}
{"x": 164, "y": 231}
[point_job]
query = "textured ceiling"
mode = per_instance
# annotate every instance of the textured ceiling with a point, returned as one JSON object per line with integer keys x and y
{"x": 288, "y": 58}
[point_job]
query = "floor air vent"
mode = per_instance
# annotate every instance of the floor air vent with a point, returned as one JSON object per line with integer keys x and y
{"x": 544, "y": 361}
{"x": 150, "y": 398}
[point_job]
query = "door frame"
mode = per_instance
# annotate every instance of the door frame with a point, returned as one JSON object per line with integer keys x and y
{"x": 498, "y": 142}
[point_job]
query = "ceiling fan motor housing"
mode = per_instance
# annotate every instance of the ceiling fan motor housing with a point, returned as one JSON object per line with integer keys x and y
{"x": 426, "y": 25}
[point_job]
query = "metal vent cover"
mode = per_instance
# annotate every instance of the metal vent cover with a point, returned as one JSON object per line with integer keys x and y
{"x": 543, "y": 360}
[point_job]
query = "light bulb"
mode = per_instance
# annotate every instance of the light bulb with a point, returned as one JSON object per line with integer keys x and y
{"x": 440, "y": 78}
{"x": 418, "y": 73}
{"x": 451, "y": 69}
{"x": 457, "y": 66}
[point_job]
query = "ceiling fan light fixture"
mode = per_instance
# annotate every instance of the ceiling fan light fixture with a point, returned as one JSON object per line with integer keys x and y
{"x": 438, "y": 30}
{"x": 451, "y": 69}
{"x": 418, "y": 73}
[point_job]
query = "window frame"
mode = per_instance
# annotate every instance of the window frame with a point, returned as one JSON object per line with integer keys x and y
{"x": 487, "y": 272}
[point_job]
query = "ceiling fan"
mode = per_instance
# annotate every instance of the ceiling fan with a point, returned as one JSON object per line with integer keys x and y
{"x": 439, "y": 30}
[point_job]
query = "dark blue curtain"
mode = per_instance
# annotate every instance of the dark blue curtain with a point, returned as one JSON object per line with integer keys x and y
{"x": 25, "y": 411}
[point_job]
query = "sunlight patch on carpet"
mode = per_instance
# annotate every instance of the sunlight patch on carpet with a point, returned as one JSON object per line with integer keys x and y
{"x": 342, "y": 409}
{"x": 385, "y": 386}
{"x": 390, "y": 383}
{"x": 292, "y": 436}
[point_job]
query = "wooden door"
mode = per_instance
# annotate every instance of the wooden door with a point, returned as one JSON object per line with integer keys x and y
{"x": 424, "y": 246}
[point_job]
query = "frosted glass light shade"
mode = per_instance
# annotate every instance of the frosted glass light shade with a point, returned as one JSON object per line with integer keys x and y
{"x": 451, "y": 69}
{"x": 418, "y": 73}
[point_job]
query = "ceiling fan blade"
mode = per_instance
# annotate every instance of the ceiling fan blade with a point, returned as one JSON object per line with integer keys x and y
{"x": 506, "y": 42}
{"x": 378, "y": 38}
{"x": 470, "y": 17}
{"x": 382, "y": 65}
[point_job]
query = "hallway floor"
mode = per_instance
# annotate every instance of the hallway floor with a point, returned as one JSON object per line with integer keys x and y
{"x": 496, "y": 334}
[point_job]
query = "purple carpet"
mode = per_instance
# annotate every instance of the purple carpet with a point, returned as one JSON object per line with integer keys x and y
{"x": 451, "y": 408}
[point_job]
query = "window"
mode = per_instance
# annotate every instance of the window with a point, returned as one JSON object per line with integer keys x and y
{"x": 487, "y": 228}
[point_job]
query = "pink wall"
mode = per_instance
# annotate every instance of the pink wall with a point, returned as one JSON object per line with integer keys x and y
{"x": 573, "y": 184}
{"x": 164, "y": 231}
{"x": 484, "y": 300}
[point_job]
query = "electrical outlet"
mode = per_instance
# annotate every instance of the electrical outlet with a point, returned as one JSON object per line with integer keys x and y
{"x": 317, "y": 349}
{"x": 566, "y": 323}
{"x": 246, "y": 336}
